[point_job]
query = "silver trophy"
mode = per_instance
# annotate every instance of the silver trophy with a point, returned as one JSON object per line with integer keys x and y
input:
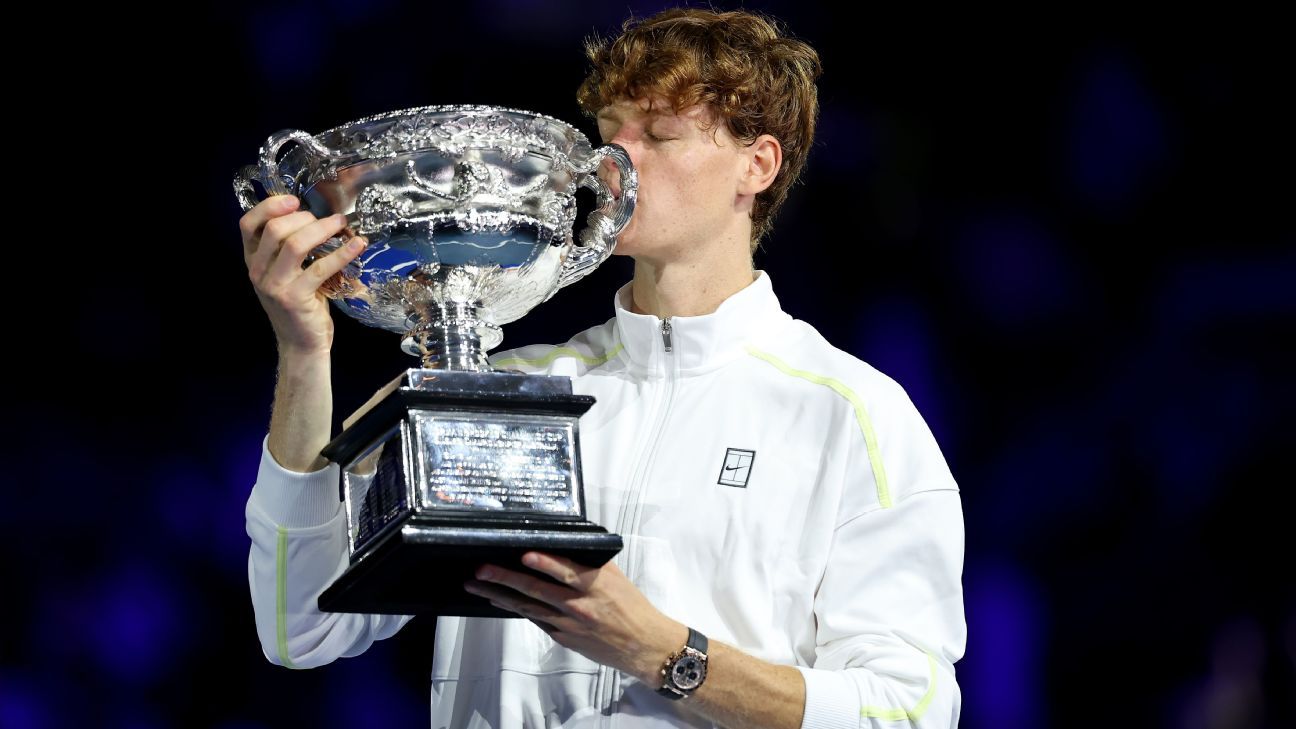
{"x": 469, "y": 212}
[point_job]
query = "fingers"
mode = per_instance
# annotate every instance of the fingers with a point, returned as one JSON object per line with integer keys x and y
{"x": 536, "y": 588}
{"x": 514, "y": 601}
{"x": 285, "y": 243}
{"x": 298, "y": 237}
{"x": 546, "y": 627}
{"x": 268, "y": 241}
{"x": 254, "y": 220}
{"x": 323, "y": 269}
{"x": 563, "y": 570}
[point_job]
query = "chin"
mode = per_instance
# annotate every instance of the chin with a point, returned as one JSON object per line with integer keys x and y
{"x": 625, "y": 245}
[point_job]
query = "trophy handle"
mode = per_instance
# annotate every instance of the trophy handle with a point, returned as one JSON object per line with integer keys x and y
{"x": 267, "y": 173}
{"x": 247, "y": 195}
{"x": 344, "y": 282}
{"x": 598, "y": 238}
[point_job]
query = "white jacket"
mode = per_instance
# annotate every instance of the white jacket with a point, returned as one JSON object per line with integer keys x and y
{"x": 773, "y": 492}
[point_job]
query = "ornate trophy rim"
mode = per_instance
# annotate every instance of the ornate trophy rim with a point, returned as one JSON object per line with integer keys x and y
{"x": 438, "y": 108}
{"x": 575, "y": 134}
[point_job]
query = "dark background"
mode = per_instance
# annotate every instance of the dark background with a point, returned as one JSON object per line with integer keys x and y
{"x": 1068, "y": 237}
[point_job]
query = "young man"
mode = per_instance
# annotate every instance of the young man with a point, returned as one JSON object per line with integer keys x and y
{"x": 776, "y": 495}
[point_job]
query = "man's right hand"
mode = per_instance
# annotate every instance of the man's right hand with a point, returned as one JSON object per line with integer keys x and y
{"x": 276, "y": 240}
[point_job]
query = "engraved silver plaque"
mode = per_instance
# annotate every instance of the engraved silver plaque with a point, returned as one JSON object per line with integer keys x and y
{"x": 502, "y": 462}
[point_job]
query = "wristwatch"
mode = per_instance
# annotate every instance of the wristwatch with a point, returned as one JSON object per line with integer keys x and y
{"x": 686, "y": 670}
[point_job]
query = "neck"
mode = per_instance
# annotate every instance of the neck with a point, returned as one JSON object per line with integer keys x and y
{"x": 692, "y": 285}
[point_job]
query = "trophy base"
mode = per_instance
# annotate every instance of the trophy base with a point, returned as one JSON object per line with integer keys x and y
{"x": 421, "y": 565}
{"x": 463, "y": 469}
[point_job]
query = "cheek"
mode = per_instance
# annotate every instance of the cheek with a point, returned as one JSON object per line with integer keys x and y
{"x": 674, "y": 193}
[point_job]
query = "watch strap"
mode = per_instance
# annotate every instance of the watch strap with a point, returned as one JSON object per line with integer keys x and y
{"x": 697, "y": 641}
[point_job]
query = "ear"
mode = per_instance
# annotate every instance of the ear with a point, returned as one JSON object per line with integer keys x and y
{"x": 762, "y": 160}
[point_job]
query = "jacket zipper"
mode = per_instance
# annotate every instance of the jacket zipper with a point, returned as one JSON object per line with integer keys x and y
{"x": 639, "y": 478}
{"x": 650, "y": 455}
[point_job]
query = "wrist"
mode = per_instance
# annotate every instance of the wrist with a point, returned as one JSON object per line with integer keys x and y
{"x": 297, "y": 359}
{"x": 301, "y": 418}
{"x": 659, "y": 646}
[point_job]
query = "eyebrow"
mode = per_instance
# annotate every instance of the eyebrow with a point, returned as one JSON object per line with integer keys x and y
{"x": 608, "y": 113}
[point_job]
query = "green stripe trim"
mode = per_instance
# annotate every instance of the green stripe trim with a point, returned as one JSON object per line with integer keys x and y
{"x": 861, "y": 416}
{"x": 872, "y": 712}
{"x": 557, "y": 352}
{"x": 281, "y": 597}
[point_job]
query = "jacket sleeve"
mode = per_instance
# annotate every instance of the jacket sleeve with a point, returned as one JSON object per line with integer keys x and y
{"x": 889, "y": 609}
{"x": 298, "y": 533}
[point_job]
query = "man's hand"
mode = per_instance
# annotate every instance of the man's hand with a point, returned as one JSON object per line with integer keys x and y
{"x": 599, "y": 613}
{"x": 277, "y": 238}
{"x": 595, "y": 611}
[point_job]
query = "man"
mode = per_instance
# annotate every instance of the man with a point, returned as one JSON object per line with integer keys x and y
{"x": 776, "y": 495}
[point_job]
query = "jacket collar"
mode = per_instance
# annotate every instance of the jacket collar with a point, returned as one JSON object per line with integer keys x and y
{"x": 699, "y": 342}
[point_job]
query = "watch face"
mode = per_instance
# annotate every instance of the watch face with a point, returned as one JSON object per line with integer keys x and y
{"x": 688, "y": 672}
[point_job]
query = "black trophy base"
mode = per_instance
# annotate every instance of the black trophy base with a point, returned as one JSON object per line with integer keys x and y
{"x": 421, "y": 564}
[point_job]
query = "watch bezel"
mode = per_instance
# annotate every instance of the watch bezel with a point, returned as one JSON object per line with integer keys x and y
{"x": 689, "y": 685}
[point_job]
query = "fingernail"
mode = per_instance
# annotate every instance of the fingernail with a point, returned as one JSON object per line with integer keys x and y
{"x": 357, "y": 244}
{"x": 288, "y": 201}
{"x": 485, "y": 573}
{"x": 470, "y": 587}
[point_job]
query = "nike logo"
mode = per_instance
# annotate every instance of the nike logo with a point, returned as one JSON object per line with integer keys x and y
{"x": 736, "y": 468}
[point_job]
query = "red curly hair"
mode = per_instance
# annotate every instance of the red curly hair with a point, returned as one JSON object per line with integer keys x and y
{"x": 739, "y": 63}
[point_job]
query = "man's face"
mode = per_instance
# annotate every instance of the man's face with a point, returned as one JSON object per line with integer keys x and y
{"x": 688, "y": 177}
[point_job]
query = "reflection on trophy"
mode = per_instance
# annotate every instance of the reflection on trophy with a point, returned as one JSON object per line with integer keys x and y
{"x": 469, "y": 212}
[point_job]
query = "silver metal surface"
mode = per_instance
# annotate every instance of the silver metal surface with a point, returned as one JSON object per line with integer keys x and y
{"x": 491, "y": 462}
{"x": 376, "y": 491}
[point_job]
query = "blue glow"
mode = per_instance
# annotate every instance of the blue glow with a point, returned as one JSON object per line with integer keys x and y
{"x": 1117, "y": 134}
{"x": 135, "y": 632}
{"x": 24, "y": 704}
{"x": 1014, "y": 269}
{"x": 895, "y": 336}
{"x": 1001, "y": 674}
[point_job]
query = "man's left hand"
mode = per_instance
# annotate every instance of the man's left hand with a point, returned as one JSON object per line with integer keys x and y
{"x": 595, "y": 611}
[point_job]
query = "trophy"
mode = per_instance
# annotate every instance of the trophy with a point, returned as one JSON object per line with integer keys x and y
{"x": 469, "y": 212}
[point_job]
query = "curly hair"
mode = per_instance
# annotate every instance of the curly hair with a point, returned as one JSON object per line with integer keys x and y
{"x": 739, "y": 63}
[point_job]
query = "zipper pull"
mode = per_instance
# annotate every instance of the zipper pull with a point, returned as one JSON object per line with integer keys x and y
{"x": 666, "y": 333}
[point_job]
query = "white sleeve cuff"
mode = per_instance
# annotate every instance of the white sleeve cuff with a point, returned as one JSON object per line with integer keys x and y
{"x": 831, "y": 702}
{"x": 296, "y": 500}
